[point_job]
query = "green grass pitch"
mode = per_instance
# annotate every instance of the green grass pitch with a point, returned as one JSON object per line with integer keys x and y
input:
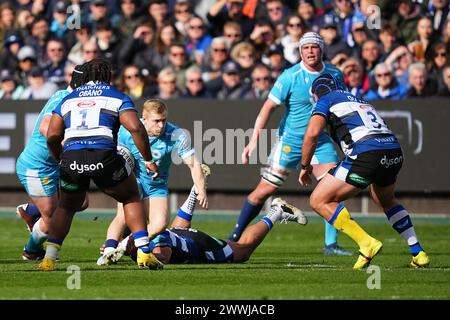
{"x": 289, "y": 265}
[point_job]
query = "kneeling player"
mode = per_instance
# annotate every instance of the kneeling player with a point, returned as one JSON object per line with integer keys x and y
{"x": 373, "y": 159}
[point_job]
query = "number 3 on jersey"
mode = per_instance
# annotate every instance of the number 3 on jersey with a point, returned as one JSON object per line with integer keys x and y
{"x": 370, "y": 117}
{"x": 85, "y": 118}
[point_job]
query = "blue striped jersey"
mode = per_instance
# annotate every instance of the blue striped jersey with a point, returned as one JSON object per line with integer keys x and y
{"x": 193, "y": 246}
{"x": 91, "y": 116}
{"x": 354, "y": 124}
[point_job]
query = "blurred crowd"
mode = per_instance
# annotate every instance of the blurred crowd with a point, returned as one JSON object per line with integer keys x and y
{"x": 224, "y": 49}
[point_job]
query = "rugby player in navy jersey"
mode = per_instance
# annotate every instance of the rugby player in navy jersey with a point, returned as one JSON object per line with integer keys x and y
{"x": 373, "y": 158}
{"x": 88, "y": 120}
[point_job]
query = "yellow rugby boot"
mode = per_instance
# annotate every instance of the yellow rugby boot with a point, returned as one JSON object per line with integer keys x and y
{"x": 47, "y": 264}
{"x": 148, "y": 260}
{"x": 367, "y": 253}
{"x": 421, "y": 260}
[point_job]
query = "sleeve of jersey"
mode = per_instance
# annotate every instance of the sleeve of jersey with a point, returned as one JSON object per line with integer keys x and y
{"x": 127, "y": 104}
{"x": 57, "y": 108}
{"x": 322, "y": 108}
{"x": 52, "y": 104}
{"x": 340, "y": 77}
{"x": 161, "y": 240}
{"x": 183, "y": 144}
{"x": 280, "y": 89}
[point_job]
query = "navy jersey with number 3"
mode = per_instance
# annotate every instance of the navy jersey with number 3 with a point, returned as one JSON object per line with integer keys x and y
{"x": 354, "y": 124}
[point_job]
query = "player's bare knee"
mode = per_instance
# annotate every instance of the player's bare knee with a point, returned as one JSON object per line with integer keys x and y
{"x": 315, "y": 202}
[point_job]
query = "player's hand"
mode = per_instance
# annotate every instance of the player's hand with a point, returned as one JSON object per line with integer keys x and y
{"x": 305, "y": 176}
{"x": 248, "y": 150}
{"x": 150, "y": 166}
{"x": 202, "y": 199}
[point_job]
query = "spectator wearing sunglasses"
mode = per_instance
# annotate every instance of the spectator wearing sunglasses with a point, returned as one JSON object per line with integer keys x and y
{"x": 194, "y": 86}
{"x": 386, "y": 86}
{"x": 261, "y": 83}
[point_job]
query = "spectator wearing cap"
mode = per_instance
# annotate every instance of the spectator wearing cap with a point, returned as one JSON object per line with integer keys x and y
{"x": 438, "y": 11}
{"x": 244, "y": 54}
{"x": 7, "y": 18}
{"x": 8, "y": 57}
{"x": 58, "y": 26}
{"x": 333, "y": 43}
{"x": 399, "y": 60}
{"x": 27, "y": 60}
{"x": 213, "y": 64}
{"x": 167, "y": 88}
{"x": 98, "y": 11}
{"x": 445, "y": 92}
{"x": 198, "y": 40}
{"x": 420, "y": 85}
{"x": 232, "y": 87}
{"x": 128, "y": 19}
{"x": 407, "y": 14}
{"x": 229, "y": 10}
{"x": 195, "y": 86}
{"x": 386, "y": 86}
{"x": 54, "y": 67}
{"x": 10, "y": 89}
{"x": 295, "y": 29}
{"x": 182, "y": 14}
{"x": 358, "y": 37}
{"x": 39, "y": 88}
{"x": 261, "y": 83}
{"x": 419, "y": 46}
{"x": 276, "y": 61}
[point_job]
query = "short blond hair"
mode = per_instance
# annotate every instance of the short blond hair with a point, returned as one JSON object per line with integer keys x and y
{"x": 156, "y": 106}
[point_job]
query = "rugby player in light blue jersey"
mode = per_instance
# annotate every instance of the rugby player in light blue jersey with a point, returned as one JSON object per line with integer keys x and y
{"x": 373, "y": 158}
{"x": 87, "y": 121}
{"x": 292, "y": 90}
{"x": 38, "y": 172}
{"x": 166, "y": 140}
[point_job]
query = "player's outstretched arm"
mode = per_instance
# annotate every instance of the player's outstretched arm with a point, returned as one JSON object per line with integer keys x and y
{"x": 137, "y": 130}
{"x": 199, "y": 180}
{"x": 260, "y": 123}
{"x": 55, "y": 135}
{"x": 316, "y": 125}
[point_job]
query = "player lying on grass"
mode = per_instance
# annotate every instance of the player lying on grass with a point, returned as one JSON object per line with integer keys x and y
{"x": 38, "y": 172}
{"x": 373, "y": 158}
{"x": 182, "y": 244}
{"x": 166, "y": 140}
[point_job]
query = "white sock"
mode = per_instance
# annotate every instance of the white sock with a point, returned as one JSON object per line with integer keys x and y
{"x": 189, "y": 204}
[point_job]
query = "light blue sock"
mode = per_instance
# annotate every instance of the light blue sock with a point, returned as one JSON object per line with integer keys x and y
{"x": 331, "y": 233}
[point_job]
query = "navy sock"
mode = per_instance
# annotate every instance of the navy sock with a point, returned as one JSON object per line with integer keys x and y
{"x": 33, "y": 211}
{"x": 248, "y": 212}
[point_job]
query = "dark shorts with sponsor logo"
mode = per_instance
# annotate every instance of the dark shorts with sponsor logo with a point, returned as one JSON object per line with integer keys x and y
{"x": 378, "y": 166}
{"x": 105, "y": 167}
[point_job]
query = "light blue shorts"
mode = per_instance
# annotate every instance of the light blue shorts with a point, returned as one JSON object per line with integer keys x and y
{"x": 287, "y": 155}
{"x": 148, "y": 191}
{"x": 38, "y": 182}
